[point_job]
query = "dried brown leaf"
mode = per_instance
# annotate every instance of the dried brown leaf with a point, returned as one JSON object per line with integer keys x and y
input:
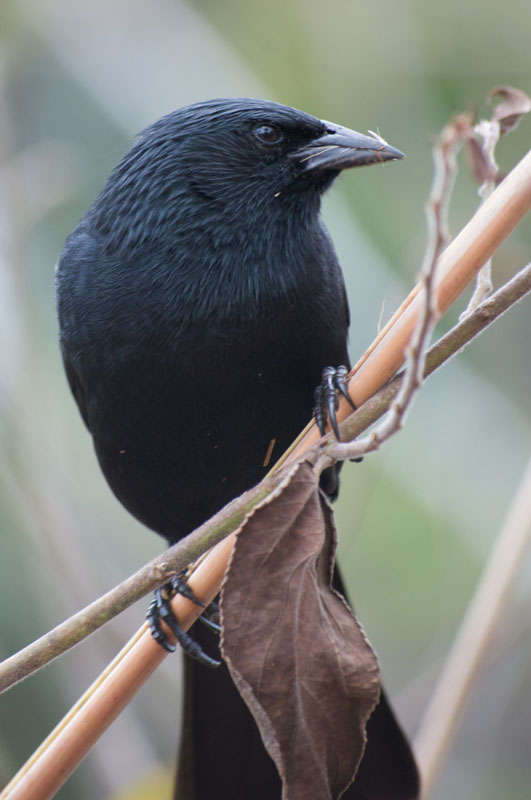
{"x": 298, "y": 656}
{"x": 514, "y": 104}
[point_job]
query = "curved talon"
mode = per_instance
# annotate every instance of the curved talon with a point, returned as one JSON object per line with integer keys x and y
{"x": 330, "y": 396}
{"x": 178, "y": 585}
{"x": 318, "y": 413}
{"x": 160, "y": 609}
{"x": 342, "y": 385}
{"x": 334, "y": 381}
{"x": 207, "y": 617}
{"x": 209, "y": 623}
{"x": 153, "y": 618}
{"x": 185, "y": 640}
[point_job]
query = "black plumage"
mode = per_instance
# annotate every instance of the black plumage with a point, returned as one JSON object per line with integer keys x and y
{"x": 199, "y": 300}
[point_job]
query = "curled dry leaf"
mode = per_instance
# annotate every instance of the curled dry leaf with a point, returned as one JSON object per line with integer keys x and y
{"x": 514, "y": 104}
{"x": 296, "y": 653}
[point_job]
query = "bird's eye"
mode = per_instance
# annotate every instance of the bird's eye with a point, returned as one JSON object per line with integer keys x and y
{"x": 268, "y": 134}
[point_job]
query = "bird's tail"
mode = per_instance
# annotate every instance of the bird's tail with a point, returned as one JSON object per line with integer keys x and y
{"x": 222, "y": 755}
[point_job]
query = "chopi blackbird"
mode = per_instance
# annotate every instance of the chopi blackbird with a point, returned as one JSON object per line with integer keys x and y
{"x": 199, "y": 301}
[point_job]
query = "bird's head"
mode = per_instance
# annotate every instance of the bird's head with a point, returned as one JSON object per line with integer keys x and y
{"x": 230, "y": 157}
{"x": 255, "y": 146}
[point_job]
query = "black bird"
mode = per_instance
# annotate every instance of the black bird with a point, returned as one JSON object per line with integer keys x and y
{"x": 199, "y": 300}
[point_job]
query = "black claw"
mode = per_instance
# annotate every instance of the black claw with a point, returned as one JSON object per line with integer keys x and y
{"x": 334, "y": 381}
{"x": 210, "y": 617}
{"x": 330, "y": 394}
{"x": 180, "y": 586}
{"x": 153, "y": 618}
{"x": 209, "y": 623}
{"x": 160, "y": 609}
{"x": 342, "y": 384}
{"x": 333, "y": 420}
{"x": 319, "y": 414}
{"x": 187, "y": 643}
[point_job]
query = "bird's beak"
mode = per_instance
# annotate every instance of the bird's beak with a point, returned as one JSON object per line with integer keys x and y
{"x": 340, "y": 148}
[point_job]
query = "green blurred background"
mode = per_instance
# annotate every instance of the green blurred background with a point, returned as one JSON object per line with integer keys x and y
{"x": 417, "y": 520}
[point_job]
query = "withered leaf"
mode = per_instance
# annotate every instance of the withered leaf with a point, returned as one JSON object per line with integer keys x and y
{"x": 296, "y": 653}
{"x": 514, "y": 104}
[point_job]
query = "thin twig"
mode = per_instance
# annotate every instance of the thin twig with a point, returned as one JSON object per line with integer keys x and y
{"x": 445, "y": 151}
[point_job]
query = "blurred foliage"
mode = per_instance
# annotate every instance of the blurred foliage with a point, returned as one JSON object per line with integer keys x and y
{"x": 77, "y": 81}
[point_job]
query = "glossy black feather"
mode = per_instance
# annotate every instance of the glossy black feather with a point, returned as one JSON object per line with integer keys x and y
{"x": 199, "y": 300}
{"x": 198, "y": 307}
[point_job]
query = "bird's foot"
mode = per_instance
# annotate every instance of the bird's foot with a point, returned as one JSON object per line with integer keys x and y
{"x": 160, "y": 610}
{"x": 326, "y": 398}
{"x": 179, "y": 585}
